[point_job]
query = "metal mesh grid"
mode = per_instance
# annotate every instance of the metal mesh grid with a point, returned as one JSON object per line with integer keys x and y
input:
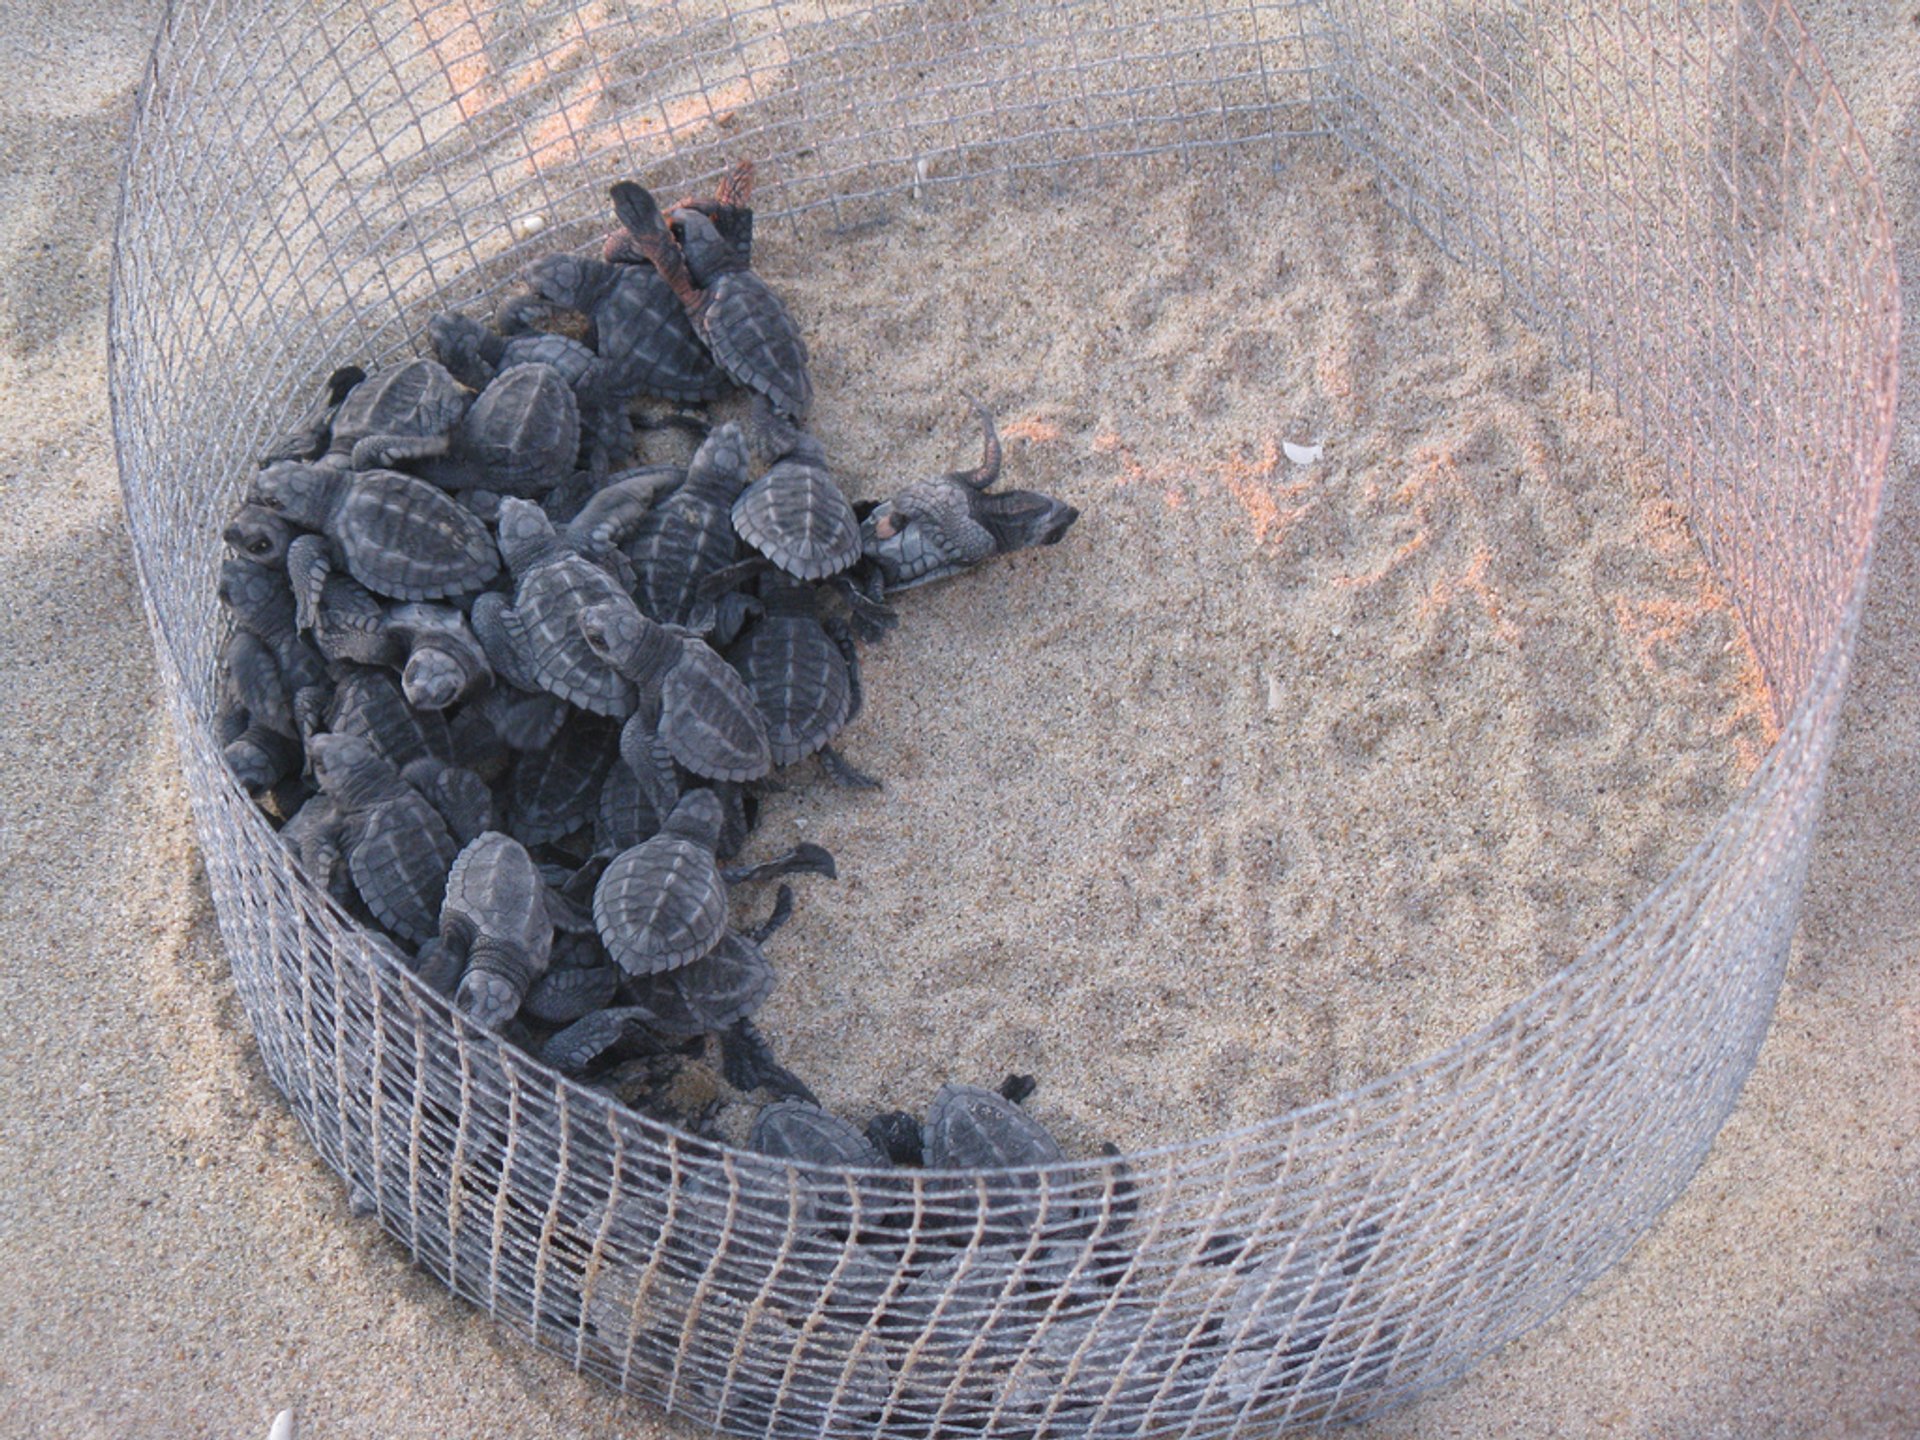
{"x": 1672, "y": 191}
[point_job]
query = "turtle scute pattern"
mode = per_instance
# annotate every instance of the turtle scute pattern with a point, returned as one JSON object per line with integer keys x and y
{"x": 512, "y": 679}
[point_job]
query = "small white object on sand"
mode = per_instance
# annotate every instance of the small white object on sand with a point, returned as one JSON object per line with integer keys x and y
{"x": 282, "y": 1427}
{"x": 1302, "y": 454}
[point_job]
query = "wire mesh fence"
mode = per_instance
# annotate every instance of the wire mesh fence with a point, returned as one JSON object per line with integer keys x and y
{"x": 1672, "y": 191}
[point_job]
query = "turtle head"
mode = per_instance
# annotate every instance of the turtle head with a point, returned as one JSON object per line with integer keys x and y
{"x": 525, "y": 533}
{"x": 622, "y": 637}
{"x": 708, "y": 254}
{"x": 699, "y": 817}
{"x": 303, "y": 493}
{"x": 347, "y": 767}
{"x": 259, "y": 535}
{"x": 438, "y": 673}
{"x": 468, "y": 349}
{"x": 1021, "y": 519}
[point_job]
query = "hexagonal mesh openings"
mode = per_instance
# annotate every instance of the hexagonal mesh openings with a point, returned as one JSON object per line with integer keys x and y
{"x": 1674, "y": 194}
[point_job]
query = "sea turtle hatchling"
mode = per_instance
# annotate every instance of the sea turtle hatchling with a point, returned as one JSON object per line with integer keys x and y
{"x": 494, "y": 917}
{"x": 311, "y": 438}
{"x": 521, "y": 435}
{"x": 940, "y": 527}
{"x": 398, "y": 536}
{"x": 730, "y": 208}
{"x": 554, "y": 791}
{"x": 534, "y": 638}
{"x": 752, "y": 337}
{"x": 397, "y": 847}
{"x": 474, "y": 353}
{"x": 685, "y": 693}
{"x": 804, "y": 674}
{"x": 797, "y": 515}
{"x": 689, "y": 534}
{"x": 663, "y": 903}
{"x": 404, "y": 412}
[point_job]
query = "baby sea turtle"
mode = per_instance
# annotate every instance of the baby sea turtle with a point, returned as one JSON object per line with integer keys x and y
{"x": 255, "y": 723}
{"x": 797, "y": 516}
{"x": 402, "y": 413}
{"x": 937, "y": 528}
{"x": 398, "y": 536}
{"x": 474, "y": 353}
{"x": 312, "y": 437}
{"x": 396, "y": 845}
{"x": 973, "y": 1128}
{"x": 369, "y": 702}
{"x": 795, "y": 1130}
{"x": 495, "y": 918}
{"x": 752, "y": 337}
{"x": 520, "y": 436}
{"x": 720, "y": 989}
{"x": 259, "y": 535}
{"x": 804, "y": 674}
{"x": 444, "y": 662}
{"x": 706, "y": 716}
{"x": 689, "y": 534}
{"x": 643, "y": 342}
{"x": 730, "y": 208}
{"x": 535, "y": 640}
{"x": 554, "y": 791}
{"x": 663, "y": 903}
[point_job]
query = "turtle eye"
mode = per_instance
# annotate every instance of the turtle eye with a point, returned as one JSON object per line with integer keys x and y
{"x": 261, "y": 546}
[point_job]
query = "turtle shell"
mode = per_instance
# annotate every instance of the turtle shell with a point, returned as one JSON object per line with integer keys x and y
{"x": 399, "y": 855}
{"x": 588, "y": 1038}
{"x": 795, "y": 1130}
{"x": 756, "y": 342}
{"x": 799, "y": 682}
{"x": 555, "y": 791}
{"x": 407, "y": 540}
{"x": 798, "y": 518}
{"x": 369, "y": 702}
{"x": 542, "y": 347}
{"x": 646, "y": 343}
{"x": 417, "y": 398}
{"x": 684, "y": 539}
{"x": 727, "y": 984}
{"x": 709, "y": 720}
{"x": 494, "y": 889}
{"x": 623, "y": 817}
{"x": 547, "y": 608}
{"x": 523, "y": 432}
{"x": 562, "y": 996}
{"x": 661, "y": 904}
{"x": 972, "y": 1128}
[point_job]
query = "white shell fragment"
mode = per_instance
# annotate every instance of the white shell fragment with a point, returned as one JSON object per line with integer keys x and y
{"x": 282, "y": 1428}
{"x": 1301, "y": 454}
{"x": 529, "y": 225}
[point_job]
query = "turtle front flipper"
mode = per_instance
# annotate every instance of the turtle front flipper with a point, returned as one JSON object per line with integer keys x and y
{"x": 645, "y": 754}
{"x": 387, "y": 452}
{"x": 503, "y": 638}
{"x": 309, "y": 563}
{"x": 748, "y": 1064}
{"x": 806, "y": 858}
{"x": 619, "y": 508}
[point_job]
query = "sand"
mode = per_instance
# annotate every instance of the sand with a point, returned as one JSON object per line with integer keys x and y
{"x": 1273, "y": 776}
{"x": 177, "y": 1263}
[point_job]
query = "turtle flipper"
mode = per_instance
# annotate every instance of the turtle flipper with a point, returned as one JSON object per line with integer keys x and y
{"x": 503, "y": 639}
{"x": 748, "y": 1063}
{"x": 804, "y": 859}
{"x": 388, "y": 452}
{"x": 309, "y": 563}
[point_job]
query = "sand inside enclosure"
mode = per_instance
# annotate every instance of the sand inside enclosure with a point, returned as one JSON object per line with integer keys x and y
{"x": 1273, "y": 776}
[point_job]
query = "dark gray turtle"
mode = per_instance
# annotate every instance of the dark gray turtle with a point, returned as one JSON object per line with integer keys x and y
{"x": 310, "y": 439}
{"x": 259, "y": 535}
{"x": 554, "y": 791}
{"x": 521, "y": 719}
{"x": 797, "y": 516}
{"x": 444, "y": 661}
{"x": 369, "y": 702}
{"x": 718, "y": 990}
{"x": 795, "y": 1130}
{"x": 255, "y": 722}
{"x": 261, "y": 603}
{"x": 629, "y": 811}
{"x": 521, "y": 436}
{"x": 567, "y": 993}
{"x": 700, "y": 708}
{"x": 474, "y": 353}
{"x": 460, "y": 795}
{"x": 398, "y": 536}
{"x": 535, "y": 640}
{"x": 663, "y": 903}
{"x": 575, "y": 1048}
{"x": 495, "y": 917}
{"x": 349, "y": 622}
{"x": 972, "y": 1128}
{"x": 730, "y": 208}
{"x": 405, "y": 412}
{"x": 396, "y": 845}
{"x": 641, "y": 336}
{"x": 752, "y": 337}
{"x": 317, "y": 838}
{"x": 804, "y": 674}
{"x": 937, "y": 528}
{"x": 689, "y": 535}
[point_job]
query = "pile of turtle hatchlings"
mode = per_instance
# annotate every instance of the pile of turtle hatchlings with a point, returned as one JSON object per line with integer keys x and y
{"x": 511, "y": 693}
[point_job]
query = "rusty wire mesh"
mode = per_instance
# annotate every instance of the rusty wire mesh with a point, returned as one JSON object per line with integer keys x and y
{"x": 1672, "y": 191}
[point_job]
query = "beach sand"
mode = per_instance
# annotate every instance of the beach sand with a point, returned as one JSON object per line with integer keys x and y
{"x": 178, "y": 1263}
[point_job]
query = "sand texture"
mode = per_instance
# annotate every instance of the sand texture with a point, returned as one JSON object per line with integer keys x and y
{"x": 1272, "y": 777}
{"x": 175, "y": 1262}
